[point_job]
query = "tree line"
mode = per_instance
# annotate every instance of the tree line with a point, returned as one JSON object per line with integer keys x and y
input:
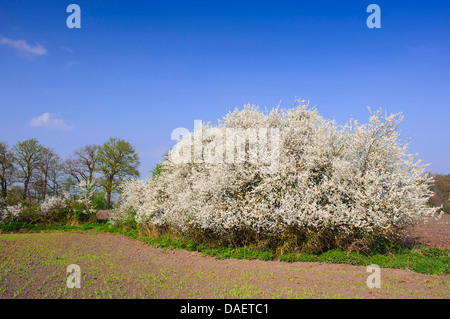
{"x": 30, "y": 170}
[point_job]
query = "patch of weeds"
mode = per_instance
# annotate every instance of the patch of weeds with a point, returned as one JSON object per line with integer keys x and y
{"x": 302, "y": 257}
{"x": 336, "y": 256}
{"x": 232, "y": 289}
{"x": 245, "y": 252}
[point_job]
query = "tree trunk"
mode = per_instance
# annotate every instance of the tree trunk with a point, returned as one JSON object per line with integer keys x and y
{"x": 109, "y": 188}
{"x": 108, "y": 199}
{"x": 44, "y": 188}
{"x": 4, "y": 189}
{"x": 25, "y": 189}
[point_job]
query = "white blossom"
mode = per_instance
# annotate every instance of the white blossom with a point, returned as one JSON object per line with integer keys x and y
{"x": 9, "y": 213}
{"x": 52, "y": 203}
{"x": 343, "y": 178}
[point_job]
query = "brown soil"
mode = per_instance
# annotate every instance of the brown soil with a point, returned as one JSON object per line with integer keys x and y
{"x": 34, "y": 265}
{"x": 434, "y": 232}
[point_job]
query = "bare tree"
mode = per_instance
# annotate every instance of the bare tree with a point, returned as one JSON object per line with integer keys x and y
{"x": 82, "y": 163}
{"x": 55, "y": 177}
{"x": 6, "y": 168}
{"x": 28, "y": 157}
{"x": 50, "y": 162}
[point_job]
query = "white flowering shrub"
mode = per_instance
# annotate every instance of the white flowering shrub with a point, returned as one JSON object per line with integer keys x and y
{"x": 84, "y": 189}
{"x": 3, "y": 202}
{"x": 334, "y": 184}
{"x": 56, "y": 203}
{"x": 9, "y": 213}
{"x": 84, "y": 200}
{"x": 132, "y": 198}
{"x": 64, "y": 207}
{"x": 60, "y": 208}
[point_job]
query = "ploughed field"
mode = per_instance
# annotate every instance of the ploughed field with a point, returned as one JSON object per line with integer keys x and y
{"x": 34, "y": 265}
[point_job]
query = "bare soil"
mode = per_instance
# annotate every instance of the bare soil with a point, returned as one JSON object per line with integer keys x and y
{"x": 432, "y": 231}
{"x": 34, "y": 265}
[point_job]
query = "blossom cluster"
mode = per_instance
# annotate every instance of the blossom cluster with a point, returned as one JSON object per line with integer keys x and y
{"x": 51, "y": 206}
{"x": 9, "y": 213}
{"x": 344, "y": 178}
{"x": 53, "y": 203}
{"x": 64, "y": 202}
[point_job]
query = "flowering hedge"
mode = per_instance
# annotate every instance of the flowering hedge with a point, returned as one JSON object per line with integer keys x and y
{"x": 60, "y": 209}
{"x": 334, "y": 184}
{"x": 9, "y": 213}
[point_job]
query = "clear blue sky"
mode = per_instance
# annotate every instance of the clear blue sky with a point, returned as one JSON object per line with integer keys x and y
{"x": 139, "y": 69}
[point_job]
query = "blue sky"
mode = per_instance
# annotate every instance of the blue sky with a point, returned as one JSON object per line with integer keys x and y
{"x": 139, "y": 69}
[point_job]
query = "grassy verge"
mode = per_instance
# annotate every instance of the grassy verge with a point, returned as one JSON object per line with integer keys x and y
{"x": 421, "y": 259}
